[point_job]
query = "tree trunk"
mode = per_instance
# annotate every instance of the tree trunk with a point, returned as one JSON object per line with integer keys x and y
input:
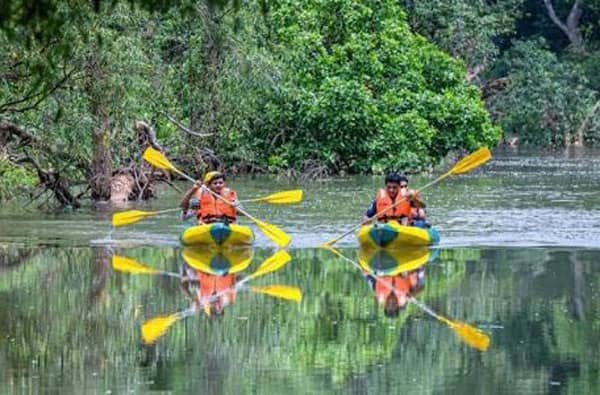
{"x": 571, "y": 27}
{"x": 102, "y": 270}
{"x": 96, "y": 88}
{"x": 205, "y": 113}
{"x": 101, "y": 160}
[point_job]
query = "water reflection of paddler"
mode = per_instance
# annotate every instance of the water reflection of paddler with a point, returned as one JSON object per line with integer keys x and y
{"x": 209, "y": 276}
{"x": 395, "y": 275}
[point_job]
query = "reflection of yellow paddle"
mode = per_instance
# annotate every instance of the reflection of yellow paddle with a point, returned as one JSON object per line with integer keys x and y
{"x": 132, "y": 216}
{"x": 280, "y": 291}
{"x": 158, "y": 326}
{"x": 128, "y": 265}
{"x": 157, "y": 159}
{"x": 464, "y": 165}
{"x": 474, "y": 337}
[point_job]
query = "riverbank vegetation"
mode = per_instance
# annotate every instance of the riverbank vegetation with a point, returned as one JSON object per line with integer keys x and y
{"x": 304, "y": 87}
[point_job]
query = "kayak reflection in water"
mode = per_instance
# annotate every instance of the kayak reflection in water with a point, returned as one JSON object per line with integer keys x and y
{"x": 395, "y": 275}
{"x": 209, "y": 276}
{"x": 393, "y": 292}
{"x": 208, "y": 208}
{"x": 409, "y": 211}
{"x": 211, "y": 292}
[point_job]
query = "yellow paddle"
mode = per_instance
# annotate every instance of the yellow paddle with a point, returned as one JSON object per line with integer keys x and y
{"x": 133, "y": 216}
{"x": 283, "y": 197}
{"x": 279, "y": 237}
{"x": 155, "y": 327}
{"x": 467, "y": 163}
{"x": 474, "y": 337}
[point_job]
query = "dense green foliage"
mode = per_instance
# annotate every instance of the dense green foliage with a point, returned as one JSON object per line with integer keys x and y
{"x": 308, "y": 87}
{"x": 362, "y": 93}
{"x": 298, "y": 87}
{"x": 537, "y": 62}
{"x": 548, "y": 99}
{"x": 15, "y": 179}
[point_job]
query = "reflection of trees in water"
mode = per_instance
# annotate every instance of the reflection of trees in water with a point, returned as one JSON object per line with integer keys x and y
{"x": 101, "y": 269}
{"x": 578, "y": 286}
{"x": 12, "y": 255}
{"x": 531, "y": 294}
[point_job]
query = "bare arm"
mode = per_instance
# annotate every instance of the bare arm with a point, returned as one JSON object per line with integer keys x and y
{"x": 185, "y": 202}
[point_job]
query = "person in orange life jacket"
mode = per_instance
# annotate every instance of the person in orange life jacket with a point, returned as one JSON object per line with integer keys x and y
{"x": 210, "y": 208}
{"x": 393, "y": 291}
{"x": 396, "y": 188}
{"x": 211, "y": 292}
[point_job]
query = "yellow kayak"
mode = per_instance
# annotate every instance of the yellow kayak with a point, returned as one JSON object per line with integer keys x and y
{"x": 218, "y": 261}
{"x": 219, "y": 234}
{"x": 384, "y": 262}
{"x": 392, "y": 235}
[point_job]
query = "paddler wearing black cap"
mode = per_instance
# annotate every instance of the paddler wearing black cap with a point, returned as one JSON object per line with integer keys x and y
{"x": 210, "y": 208}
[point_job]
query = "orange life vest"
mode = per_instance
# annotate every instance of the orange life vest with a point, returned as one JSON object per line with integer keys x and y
{"x": 400, "y": 284}
{"x": 383, "y": 200}
{"x": 213, "y": 209}
{"x": 211, "y": 284}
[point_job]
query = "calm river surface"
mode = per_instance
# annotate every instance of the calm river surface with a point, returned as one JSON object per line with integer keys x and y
{"x": 519, "y": 259}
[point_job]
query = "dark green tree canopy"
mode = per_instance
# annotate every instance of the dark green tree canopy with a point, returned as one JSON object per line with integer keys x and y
{"x": 361, "y": 92}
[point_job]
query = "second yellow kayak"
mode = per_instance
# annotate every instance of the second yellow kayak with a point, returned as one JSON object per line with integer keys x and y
{"x": 392, "y": 235}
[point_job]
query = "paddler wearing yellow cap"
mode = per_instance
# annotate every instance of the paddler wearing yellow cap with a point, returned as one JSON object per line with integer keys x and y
{"x": 211, "y": 209}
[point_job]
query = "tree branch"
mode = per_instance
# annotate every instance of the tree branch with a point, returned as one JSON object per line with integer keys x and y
{"x": 554, "y": 17}
{"x": 185, "y": 128}
{"x": 571, "y": 28}
{"x": 43, "y": 94}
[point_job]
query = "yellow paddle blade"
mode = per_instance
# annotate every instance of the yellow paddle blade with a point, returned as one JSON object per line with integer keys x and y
{"x": 280, "y": 291}
{"x": 474, "y": 337}
{"x": 157, "y": 326}
{"x": 129, "y": 265}
{"x": 206, "y": 309}
{"x": 278, "y": 236}
{"x": 129, "y": 217}
{"x": 157, "y": 159}
{"x": 283, "y": 197}
{"x": 272, "y": 263}
{"x": 471, "y": 161}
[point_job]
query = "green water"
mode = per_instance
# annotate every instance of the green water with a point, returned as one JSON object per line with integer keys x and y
{"x": 519, "y": 259}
